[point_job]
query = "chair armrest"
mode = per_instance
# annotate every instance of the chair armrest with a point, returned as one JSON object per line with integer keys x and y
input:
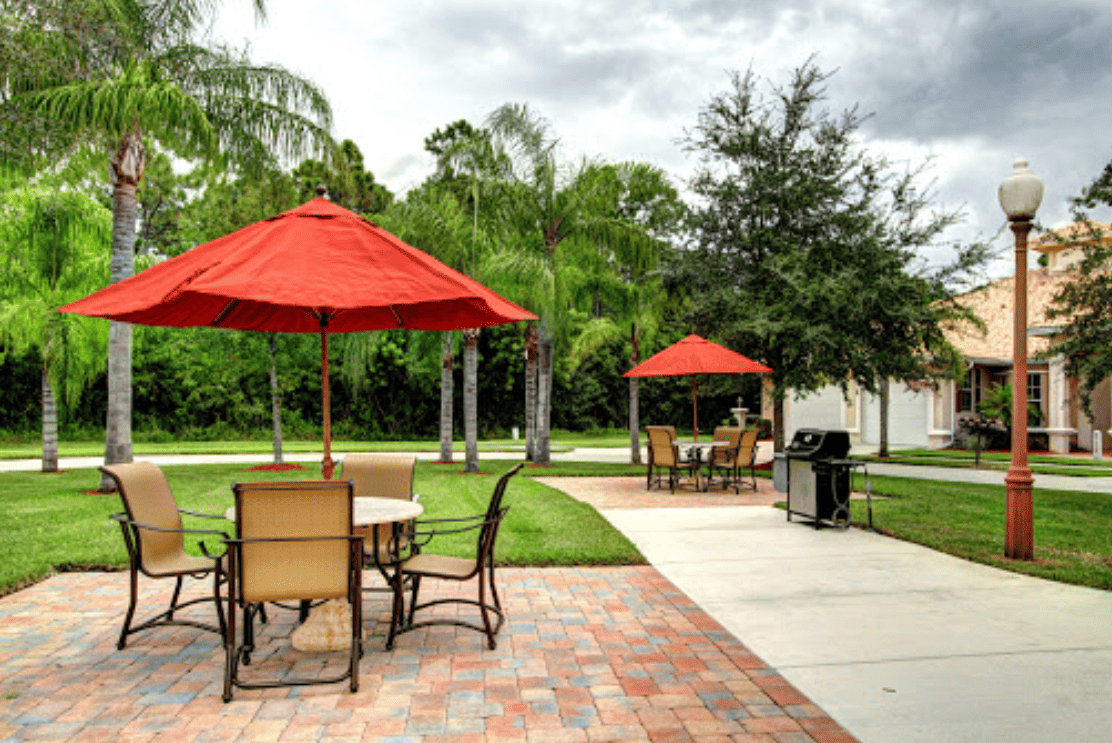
{"x": 448, "y": 520}
{"x": 123, "y": 519}
{"x": 201, "y": 515}
{"x": 421, "y": 537}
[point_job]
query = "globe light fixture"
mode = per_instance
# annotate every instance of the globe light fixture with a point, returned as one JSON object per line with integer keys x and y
{"x": 1020, "y": 196}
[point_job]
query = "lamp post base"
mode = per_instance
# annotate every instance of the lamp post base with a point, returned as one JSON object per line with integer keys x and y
{"x": 1019, "y": 543}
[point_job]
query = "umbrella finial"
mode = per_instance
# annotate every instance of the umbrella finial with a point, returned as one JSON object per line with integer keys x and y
{"x": 322, "y": 191}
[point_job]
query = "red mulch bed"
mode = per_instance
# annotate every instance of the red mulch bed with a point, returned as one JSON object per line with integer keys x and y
{"x": 285, "y": 467}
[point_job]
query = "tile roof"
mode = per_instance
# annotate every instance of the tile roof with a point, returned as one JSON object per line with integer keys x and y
{"x": 993, "y": 303}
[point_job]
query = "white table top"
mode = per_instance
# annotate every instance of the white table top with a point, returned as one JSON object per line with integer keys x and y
{"x": 367, "y": 511}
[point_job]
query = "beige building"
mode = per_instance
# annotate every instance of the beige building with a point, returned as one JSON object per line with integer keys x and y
{"x": 989, "y": 352}
{"x": 922, "y": 416}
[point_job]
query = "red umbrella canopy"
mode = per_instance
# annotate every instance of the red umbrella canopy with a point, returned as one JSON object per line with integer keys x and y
{"x": 318, "y": 268}
{"x": 286, "y": 273}
{"x": 695, "y": 355}
{"x": 691, "y": 356}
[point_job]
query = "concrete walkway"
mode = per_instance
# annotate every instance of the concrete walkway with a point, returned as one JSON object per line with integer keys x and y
{"x": 896, "y": 642}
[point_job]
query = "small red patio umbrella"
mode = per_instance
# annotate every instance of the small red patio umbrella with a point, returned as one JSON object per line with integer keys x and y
{"x": 692, "y": 356}
{"x": 318, "y": 268}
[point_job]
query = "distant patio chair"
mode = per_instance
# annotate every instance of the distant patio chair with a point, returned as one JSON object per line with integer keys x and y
{"x": 153, "y": 533}
{"x": 295, "y": 543}
{"x": 723, "y": 459}
{"x": 421, "y": 565}
{"x": 665, "y": 455}
{"x": 747, "y": 457}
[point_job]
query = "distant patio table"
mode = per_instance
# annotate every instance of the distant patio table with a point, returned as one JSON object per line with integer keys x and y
{"x": 698, "y": 452}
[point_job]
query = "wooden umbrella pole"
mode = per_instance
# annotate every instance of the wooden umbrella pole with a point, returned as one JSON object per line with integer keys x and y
{"x": 695, "y": 407}
{"x": 326, "y": 465}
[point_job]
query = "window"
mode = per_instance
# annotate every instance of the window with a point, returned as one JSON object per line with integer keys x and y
{"x": 1034, "y": 398}
{"x": 969, "y": 396}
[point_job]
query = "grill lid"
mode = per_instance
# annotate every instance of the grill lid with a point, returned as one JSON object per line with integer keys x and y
{"x": 816, "y": 443}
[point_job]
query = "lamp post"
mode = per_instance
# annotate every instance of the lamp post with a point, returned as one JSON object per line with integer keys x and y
{"x": 1020, "y": 195}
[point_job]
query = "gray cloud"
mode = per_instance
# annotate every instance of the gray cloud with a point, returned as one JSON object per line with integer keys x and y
{"x": 975, "y": 83}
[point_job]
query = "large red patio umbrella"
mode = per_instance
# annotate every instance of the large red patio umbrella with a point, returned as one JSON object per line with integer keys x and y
{"x": 693, "y": 356}
{"x": 318, "y": 268}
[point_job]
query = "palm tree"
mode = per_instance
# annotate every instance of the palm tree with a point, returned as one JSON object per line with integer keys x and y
{"x": 432, "y": 219}
{"x": 53, "y": 253}
{"x": 196, "y": 100}
{"x": 552, "y": 206}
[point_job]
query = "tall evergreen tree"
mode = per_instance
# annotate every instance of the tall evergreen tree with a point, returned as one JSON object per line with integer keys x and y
{"x": 1084, "y": 304}
{"x": 805, "y": 247}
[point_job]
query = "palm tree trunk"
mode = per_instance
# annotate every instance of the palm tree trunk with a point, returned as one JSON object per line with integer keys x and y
{"x": 544, "y": 399}
{"x": 634, "y": 401}
{"x": 530, "y": 392}
{"x": 471, "y": 399}
{"x": 447, "y": 394}
{"x": 275, "y": 399}
{"x": 49, "y": 426}
{"x": 126, "y": 170}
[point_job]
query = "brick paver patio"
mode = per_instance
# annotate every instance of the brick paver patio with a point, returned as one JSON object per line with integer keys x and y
{"x": 587, "y": 654}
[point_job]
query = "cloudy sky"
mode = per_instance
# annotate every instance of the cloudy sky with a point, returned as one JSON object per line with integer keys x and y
{"x": 973, "y": 84}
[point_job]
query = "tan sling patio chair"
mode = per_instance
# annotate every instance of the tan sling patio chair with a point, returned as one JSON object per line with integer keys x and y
{"x": 421, "y": 565}
{"x": 294, "y": 543}
{"x": 664, "y": 454}
{"x": 723, "y": 459}
{"x": 381, "y": 476}
{"x": 153, "y": 533}
{"x": 747, "y": 457}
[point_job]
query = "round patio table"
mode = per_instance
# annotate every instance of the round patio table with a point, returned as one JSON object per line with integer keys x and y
{"x": 700, "y": 452}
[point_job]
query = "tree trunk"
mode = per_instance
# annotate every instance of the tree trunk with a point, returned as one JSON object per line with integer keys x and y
{"x": 126, "y": 170}
{"x": 530, "y": 392}
{"x": 544, "y": 399}
{"x": 49, "y": 426}
{"x": 471, "y": 399}
{"x": 885, "y": 397}
{"x": 275, "y": 399}
{"x": 447, "y": 396}
{"x": 634, "y": 401}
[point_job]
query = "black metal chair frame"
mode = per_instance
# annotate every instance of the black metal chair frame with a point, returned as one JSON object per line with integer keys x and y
{"x": 131, "y": 531}
{"x": 487, "y": 525}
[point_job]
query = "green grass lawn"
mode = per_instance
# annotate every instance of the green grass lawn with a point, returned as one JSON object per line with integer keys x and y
{"x": 1073, "y": 529}
{"x": 1044, "y": 464}
{"x": 561, "y": 441}
{"x": 50, "y": 523}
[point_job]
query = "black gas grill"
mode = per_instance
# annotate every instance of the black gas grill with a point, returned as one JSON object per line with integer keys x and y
{"x": 819, "y": 476}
